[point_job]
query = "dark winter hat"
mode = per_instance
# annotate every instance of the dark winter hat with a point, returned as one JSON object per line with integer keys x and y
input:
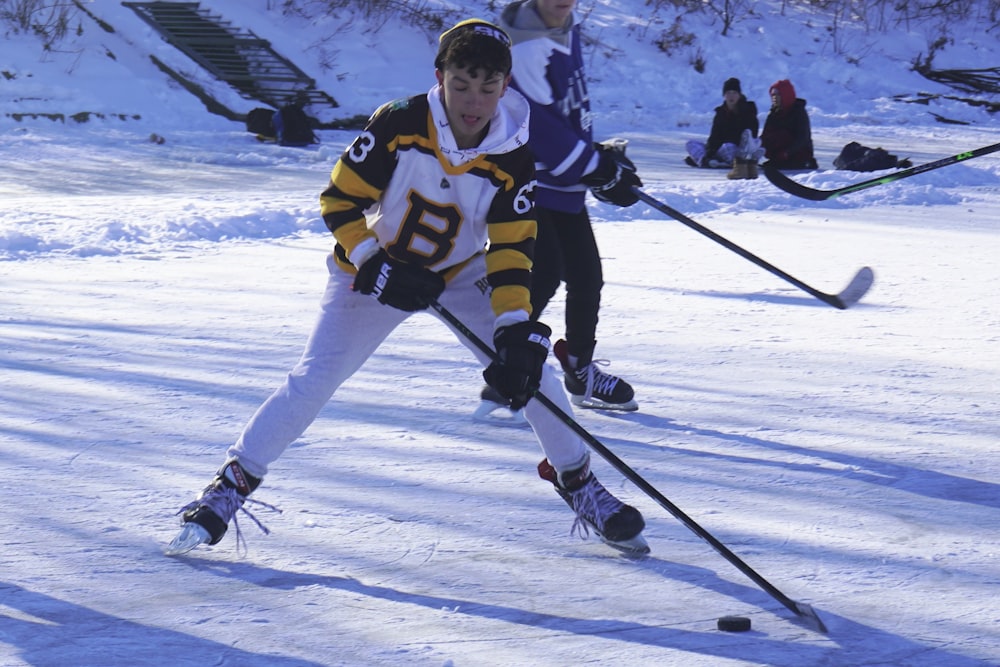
{"x": 470, "y": 27}
{"x": 731, "y": 83}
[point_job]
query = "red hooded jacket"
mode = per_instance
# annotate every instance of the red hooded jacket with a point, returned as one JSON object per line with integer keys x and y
{"x": 787, "y": 135}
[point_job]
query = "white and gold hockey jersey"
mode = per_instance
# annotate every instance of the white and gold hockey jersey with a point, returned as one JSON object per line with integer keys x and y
{"x": 404, "y": 184}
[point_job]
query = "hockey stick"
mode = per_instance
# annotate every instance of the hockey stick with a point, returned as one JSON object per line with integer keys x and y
{"x": 800, "y": 609}
{"x": 799, "y": 190}
{"x": 849, "y": 296}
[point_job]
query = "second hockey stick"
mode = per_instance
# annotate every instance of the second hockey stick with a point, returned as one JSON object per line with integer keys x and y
{"x": 812, "y": 194}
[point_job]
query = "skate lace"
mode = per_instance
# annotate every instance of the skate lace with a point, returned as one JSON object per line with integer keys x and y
{"x": 227, "y": 503}
{"x": 599, "y": 382}
{"x": 592, "y": 504}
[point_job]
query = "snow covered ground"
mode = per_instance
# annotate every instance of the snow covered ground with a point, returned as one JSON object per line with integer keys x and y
{"x": 151, "y": 295}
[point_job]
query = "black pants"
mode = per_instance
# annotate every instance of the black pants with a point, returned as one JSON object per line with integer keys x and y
{"x": 566, "y": 251}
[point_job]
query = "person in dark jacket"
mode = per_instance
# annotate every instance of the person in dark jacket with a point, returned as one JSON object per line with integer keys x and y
{"x": 733, "y": 140}
{"x": 787, "y": 136}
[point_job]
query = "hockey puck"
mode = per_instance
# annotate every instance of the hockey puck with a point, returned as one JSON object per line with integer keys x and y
{"x": 734, "y": 624}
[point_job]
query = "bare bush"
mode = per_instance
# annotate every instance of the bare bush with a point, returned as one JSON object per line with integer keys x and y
{"x": 372, "y": 13}
{"x": 48, "y": 19}
{"x": 675, "y": 38}
{"x": 418, "y": 13}
{"x": 729, "y": 12}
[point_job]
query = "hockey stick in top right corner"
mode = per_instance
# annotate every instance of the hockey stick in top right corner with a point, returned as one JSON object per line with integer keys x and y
{"x": 799, "y": 190}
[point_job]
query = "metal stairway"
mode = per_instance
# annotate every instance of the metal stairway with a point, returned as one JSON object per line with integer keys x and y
{"x": 235, "y": 56}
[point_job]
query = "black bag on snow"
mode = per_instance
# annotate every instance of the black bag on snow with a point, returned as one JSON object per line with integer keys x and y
{"x": 292, "y": 126}
{"x": 260, "y": 121}
{"x": 855, "y": 157}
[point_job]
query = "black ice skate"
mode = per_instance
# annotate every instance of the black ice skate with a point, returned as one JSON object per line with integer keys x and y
{"x": 590, "y": 387}
{"x": 617, "y": 524}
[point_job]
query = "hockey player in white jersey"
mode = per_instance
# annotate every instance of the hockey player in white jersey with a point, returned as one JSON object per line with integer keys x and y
{"x": 432, "y": 201}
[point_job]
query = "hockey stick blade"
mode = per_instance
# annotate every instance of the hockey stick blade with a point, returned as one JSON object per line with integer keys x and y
{"x": 856, "y": 289}
{"x": 808, "y": 614}
{"x": 792, "y": 187}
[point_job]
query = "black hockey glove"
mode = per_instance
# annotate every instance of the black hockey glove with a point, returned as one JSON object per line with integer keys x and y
{"x": 398, "y": 284}
{"x": 613, "y": 179}
{"x": 522, "y": 348}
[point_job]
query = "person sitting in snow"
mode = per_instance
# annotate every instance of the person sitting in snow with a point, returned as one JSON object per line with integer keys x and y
{"x": 431, "y": 204}
{"x": 733, "y": 140}
{"x": 787, "y": 135}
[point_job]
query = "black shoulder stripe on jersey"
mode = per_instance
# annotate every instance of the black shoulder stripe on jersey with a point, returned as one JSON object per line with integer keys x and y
{"x": 415, "y": 142}
{"x": 494, "y": 173}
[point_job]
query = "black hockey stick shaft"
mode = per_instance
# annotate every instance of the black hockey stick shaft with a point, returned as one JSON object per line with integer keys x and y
{"x": 799, "y": 609}
{"x": 804, "y": 191}
{"x": 841, "y": 301}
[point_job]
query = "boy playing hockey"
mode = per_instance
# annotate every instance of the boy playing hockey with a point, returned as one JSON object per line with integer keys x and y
{"x": 433, "y": 201}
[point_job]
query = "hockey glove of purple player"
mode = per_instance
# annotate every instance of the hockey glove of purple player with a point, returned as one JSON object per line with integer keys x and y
{"x": 398, "y": 284}
{"x": 522, "y": 349}
{"x": 613, "y": 179}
